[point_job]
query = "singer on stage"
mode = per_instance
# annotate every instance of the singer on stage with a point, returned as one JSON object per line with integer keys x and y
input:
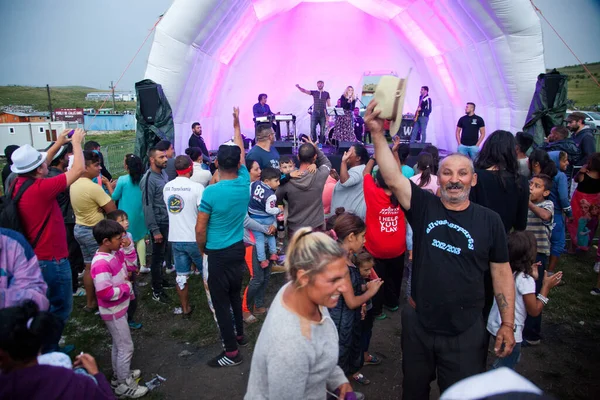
{"x": 262, "y": 109}
{"x": 319, "y": 114}
{"x": 344, "y": 130}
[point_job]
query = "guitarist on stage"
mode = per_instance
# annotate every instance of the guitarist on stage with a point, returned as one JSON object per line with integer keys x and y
{"x": 421, "y": 116}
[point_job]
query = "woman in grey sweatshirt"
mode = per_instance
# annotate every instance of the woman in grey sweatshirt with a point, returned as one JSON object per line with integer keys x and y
{"x": 296, "y": 353}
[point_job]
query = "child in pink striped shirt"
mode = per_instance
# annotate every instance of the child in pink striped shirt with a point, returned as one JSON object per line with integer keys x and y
{"x": 114, "y": 291}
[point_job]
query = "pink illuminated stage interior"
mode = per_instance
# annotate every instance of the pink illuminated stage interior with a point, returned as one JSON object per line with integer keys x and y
{"x": 230, "y": 51}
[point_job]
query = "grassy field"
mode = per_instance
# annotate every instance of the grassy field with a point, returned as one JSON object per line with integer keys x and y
{"x": 582, "y": 89}
{"x": 64, "y": 96}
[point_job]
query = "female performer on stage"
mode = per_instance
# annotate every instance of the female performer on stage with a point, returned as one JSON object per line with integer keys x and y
{"x": 344, "y": 130}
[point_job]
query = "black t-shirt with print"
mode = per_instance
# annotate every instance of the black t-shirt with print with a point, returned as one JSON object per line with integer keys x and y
{"x": 470, "y": 129}
{"x": 452, "y": 250}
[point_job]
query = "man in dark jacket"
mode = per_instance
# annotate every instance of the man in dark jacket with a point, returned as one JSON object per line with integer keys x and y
{"x": 582, "y": 135}
{"x": 559, "y": 140}
{"x": 196, "y": 140}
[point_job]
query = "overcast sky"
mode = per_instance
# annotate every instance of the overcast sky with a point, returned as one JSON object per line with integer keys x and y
{"x": 89, "y": 43}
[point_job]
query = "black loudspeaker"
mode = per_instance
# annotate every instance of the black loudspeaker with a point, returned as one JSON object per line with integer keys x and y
{"x": 343, "y": 147}
{"x": 149, "y": 102}
{"x": 284, "y": 147}
{"x": 416, "y": 148}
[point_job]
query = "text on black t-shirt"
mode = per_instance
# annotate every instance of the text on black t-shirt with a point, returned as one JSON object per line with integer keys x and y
{"x": 470, "y": 129}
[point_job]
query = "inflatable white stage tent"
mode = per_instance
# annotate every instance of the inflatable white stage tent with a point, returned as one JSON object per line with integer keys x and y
{"x": 211, "y": 55}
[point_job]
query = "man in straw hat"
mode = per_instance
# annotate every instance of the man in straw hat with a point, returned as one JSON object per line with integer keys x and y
{"x": 42, "y": 219}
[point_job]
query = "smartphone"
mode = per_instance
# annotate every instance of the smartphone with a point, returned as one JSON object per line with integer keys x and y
{"x": 70, "y": 134}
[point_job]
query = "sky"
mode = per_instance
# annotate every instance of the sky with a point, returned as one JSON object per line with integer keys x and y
{"x": 90, "y": 43}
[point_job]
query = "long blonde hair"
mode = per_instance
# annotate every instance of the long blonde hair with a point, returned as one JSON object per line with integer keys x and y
{"x": 312, "y": 252}
{"x": 346, "y": 93}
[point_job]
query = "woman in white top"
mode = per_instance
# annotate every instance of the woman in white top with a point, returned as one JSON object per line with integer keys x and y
{"x": 296, "y": 353}
{"x": 200, "y": 175}
{"x": 425, "y": 178}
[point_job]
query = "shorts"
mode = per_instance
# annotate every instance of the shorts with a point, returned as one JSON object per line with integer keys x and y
{"x": 87, "y": 243}
{"x": 184, "y": 254}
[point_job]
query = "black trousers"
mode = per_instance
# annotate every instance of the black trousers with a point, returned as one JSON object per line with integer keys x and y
{"x": 160, "y": 252}
{"x": 391, "y": 271}
{"x": 75, "y": 255}
{"x": 426, "y": 355}
{"x": 225, "y": 272}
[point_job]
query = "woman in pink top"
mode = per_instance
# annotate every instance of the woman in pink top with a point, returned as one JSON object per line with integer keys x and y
{"x": 425, "y": 179}
{"x": 328, "y": 190}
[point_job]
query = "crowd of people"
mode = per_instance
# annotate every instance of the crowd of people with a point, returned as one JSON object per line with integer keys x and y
{"x": 477, "y": 241}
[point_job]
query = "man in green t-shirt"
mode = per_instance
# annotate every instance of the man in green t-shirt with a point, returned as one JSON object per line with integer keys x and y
{"x": 220, "y": 233}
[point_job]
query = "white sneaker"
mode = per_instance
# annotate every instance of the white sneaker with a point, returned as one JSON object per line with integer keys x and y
{"x": 135, "y": 374}
{"x": 130, "y": 390}
{"x": 597, "y": 267}
{"x": 170, "y": 270}
{"x": 144, "y": 270}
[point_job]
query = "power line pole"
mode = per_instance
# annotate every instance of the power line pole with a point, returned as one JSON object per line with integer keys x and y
{"x": 49, "y": 102}
{"x": 112, "y": 87}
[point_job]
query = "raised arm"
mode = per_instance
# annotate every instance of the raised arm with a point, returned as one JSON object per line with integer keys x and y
{"x": 237, "y": 134}
{"x": 397, "y": 183}
{"x": 369, "y": 167}
{"x": 504, "y": 291}
{"x": 303, "y": 90}
{"x": 78, "y": 167}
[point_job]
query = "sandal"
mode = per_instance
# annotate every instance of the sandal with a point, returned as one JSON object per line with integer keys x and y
{"x": 372, "y": 360}
{"x": 89, "y": 310}
{"x": 249, "y": 318}
{"x": 360, "y": 378}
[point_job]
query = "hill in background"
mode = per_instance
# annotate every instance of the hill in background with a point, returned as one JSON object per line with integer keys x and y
{"x": 582, "y": 90}
{"x": 62, "y": 97}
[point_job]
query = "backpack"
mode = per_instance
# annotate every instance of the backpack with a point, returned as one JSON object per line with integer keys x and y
{"x": 9, "y": 211}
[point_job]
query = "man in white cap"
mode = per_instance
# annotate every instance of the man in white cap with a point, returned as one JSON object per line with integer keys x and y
{"x": 42, "y": 219}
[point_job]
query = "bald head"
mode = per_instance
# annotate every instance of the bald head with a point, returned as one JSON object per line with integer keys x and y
{"x": 458, "y": 158}
{"x": 456, "y": 176}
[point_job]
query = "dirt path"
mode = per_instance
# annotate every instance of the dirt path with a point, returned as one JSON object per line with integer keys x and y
{"x": 563, "y": 365}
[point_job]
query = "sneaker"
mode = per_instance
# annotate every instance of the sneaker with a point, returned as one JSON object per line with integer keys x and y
{"x": 392, "y": 309}
{"x": 135, "y": 325}
{"x": 278, "y": 269}
{"x": 79, "y": 293}
{"x": 167, "y": 285}
{"x": 135, "y": 374}
{"x": 597, "y": 267}
{"x": 243, "y": 342}
{"x": 373, "y": 360}
{"x": 223, "y": 361}
{"x": 249, "y": 318}
{"x": 197, "y": 272}
{"x": 161, "y": 297}
{"x": 381, "y": 317}
{"x": 170, "y": 270}
{"x": 144, "y": 270}
{"x": 130, "y": 390}
{"x": 595, "y": 292}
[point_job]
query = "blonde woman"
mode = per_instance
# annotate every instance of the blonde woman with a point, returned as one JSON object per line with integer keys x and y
{"x": 296, "y": 354}
{"x": 344, "y": 130}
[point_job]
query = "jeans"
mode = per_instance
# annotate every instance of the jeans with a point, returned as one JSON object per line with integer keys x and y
{"x": 57, "y": 274}
{"x": 533, "y": 325}
{"x": 160, "y": 252}
{"x": 259, "y": 279}
{"x": 260, "y": 237}
{"x": 420, "y": 126}
{"x": 186, "y": 253}
{"x": 509, "y": 361}
{"x": 225, "y": 284}
{"x": 427, "y": 355}
{"x": 558, "y": 238}
{"x": 469, "y": 151}
{"x": 122, "y": 347}
{"x": 318, "y": 118}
